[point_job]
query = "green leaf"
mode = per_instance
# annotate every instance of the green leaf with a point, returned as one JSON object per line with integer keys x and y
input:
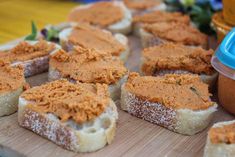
{"x": 33, "y": 34}
{"x": 52, "y": 33}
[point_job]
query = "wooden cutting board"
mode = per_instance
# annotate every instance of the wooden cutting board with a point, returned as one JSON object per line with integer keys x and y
{"x": 134, "y": 137}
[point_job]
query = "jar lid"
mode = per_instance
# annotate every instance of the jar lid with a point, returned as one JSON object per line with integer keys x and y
{"x": 226, "y": 51}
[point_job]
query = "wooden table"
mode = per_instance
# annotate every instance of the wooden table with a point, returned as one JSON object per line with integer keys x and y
{"x": 134, "y": 137}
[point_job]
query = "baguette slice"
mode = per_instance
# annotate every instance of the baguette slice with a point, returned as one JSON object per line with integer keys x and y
{"x": 159, "y": 57}
{"x": 63, "y": 36}
{"x": 12, "y": 84}
{"x": 34, "y": 66}
{"x": 223, "y": 149}
{"x": 86, "y": 137}
{"x": 123, "y": 26}
{"x": 159, "y": 7}
{"x": 9, "y": 101}
{"x": 184, "y": 120}
{"x": 149, "y": 40}
{"x": 114, "y": 89}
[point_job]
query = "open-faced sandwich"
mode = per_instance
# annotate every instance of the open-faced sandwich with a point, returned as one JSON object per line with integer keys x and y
{"x": 88, "y": 66}
{"x": 94, "y": 38}
{"x": 180, "y": 33}
{"x": 143, "y": 6}
{"x": 170, "y": 58}
{"x": 156, "y": 17}
{"x": 113, "y": 16}
{"x": 221, "y": 140}
{"x": 12, "y": 82}
{"x": 78, "y": 117}
{"x": 180, "y": 103}
{"x": 32, "y": 55}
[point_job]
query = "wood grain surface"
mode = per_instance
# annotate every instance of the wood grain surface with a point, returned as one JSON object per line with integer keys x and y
{"x": 134, "y": 137}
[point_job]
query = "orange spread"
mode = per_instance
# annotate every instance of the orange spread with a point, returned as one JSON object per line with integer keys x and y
{"x": 161, "y": 16}
{"x": 94, "y": 38}
{"x": 25, "y": 51}
{"x": 11, "y": 78}
{"x": 177, "y": 32}
{"x": 141, "y": 4}
{"x": 100, "y": 13}
{"x": 226, "y": 92}
{"x": 171, "y": 56}
{"x": 173, "y": 91}
{"x": 88, "y": 66}
{"x": 223, "y": 134}
{"x": 79, "y": 102}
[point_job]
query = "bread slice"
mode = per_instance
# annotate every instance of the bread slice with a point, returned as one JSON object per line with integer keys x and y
{"x": 219, "y": 149}
{"x": 208, "y": 79}
{"x": 9, "y": 101}
{"x": 161, "y": 7}
{"x": 34, "y": 66}
{"x": 183, "y": 121}
{"x": 63, "y": 36}
{"x": 114, "y": 89}
{"x": 149, "y": 40}
{"x": 123, "y": 26}
{"x": 86, "y": 137}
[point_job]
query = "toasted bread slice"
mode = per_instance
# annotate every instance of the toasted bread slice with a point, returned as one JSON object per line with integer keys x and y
{"x": 138, "y": 10}
{"x": 63, "y": 36}
{"x": 88, "y": 136}
{"x": 149, "y": 39}
{"x": 12, "y": 83}
{"x": 181, "y": 120}
{"x": 33, "y": 66}
{"x": 222, "y": 148}
{"x": 114, "y": 89}
{"x": 172, "y": 58}
{"x": 123, "y": 26}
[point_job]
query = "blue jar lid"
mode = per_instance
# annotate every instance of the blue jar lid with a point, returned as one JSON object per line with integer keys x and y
{"x": 226, "y": 51}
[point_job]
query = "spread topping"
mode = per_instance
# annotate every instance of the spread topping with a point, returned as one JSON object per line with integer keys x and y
{"x": 223, "y": 134}
{"x": 11, "y": 78}
{"x": 79, "y": 102}
{"x": 173, "y": 91}
{"x": 100, "y": 13}
{"x": 171, "y": 56}
{"x": 141, "y": 4}
{"x": 177, "y": 32}
{"x": 88, "y": 66}
{"x": 25, "y": 51}
{"x": 94, "y": 38}
{"x": 161, "y": 16}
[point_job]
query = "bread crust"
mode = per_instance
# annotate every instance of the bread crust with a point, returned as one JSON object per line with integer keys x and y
{"x": 70, "y": 135}
{"x": 183, "y": 121}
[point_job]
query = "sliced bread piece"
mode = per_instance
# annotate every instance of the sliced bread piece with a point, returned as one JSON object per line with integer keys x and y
{"x": 88, "y": 120}
{"x": 98, "y": 39}
{"x": 32, "y": 55}
{"x": 180, "y": 33}
{"x": 179, "y": 103}
{"x": 144, "y": 6}
{"x": 220, "y": 140}
{"x": 170, "y": 58}
{"x": 11, "y": 86}
{"x": 156, "y": 17}
{"x": 88, "y": 66}
{"x": 113, "y": 16}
